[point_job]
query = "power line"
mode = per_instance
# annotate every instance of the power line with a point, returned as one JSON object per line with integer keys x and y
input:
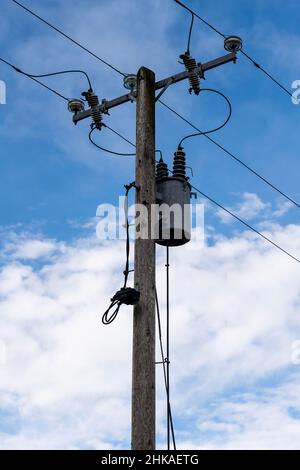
{"x": 246, "y": 224}
{"x": 123, "y": 138}
{"x": 190, "y": 35}
{"x": 269, "y": 76}
{"x": 168, "y": 338}
{"x": 120, "y": 135}
{"x": 56, "y": 73}
{"x": 200, "y": 18}
{"x": 254, "y": 62}
{"x": 34, "y": 79}
{"x": 68, "y": 37}
{"x": 230, "y": 154}
{"x": 112, "y": 152}
{"x": 164, "y": 360}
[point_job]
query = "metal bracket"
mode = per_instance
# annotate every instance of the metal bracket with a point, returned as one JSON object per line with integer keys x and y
{"x": 132, "y": 97}
{"x": 169, "y": 82}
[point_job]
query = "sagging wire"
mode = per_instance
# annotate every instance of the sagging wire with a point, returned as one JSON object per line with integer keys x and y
{"x": 123, "y": 138}
{"x": 34, "y": 79}
{"x": 54, "y": 74}
{"x": 126, "y": 295}
{"x": 215, "y": 129}
{"x": 112, "y": 152}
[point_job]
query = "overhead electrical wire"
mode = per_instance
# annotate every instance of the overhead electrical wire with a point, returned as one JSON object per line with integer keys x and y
{"x": 216, "y": 128}
{"x": 190, "y": 34}
{"x": 246, "y": 224}
{"x": 123, "y": 138}
{"x": 199, "y": 18}
{"x": 34, "y": 79}
{"x": 239, "y": 219}
{"x": 120, "y": 135}
{"x": 54, "y": 74}
{"x": 69, "y": 37}
{"x": 254, "y": 62}
{"x": 262, "y": 69}
{"x": 112, "y": 152}
{"x": 230, "y": 154}
{"x": 164, "y": 361}
{"x": 168, "y": 338}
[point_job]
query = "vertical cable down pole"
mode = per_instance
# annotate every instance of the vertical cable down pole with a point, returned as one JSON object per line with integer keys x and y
{"x": 168, "y": 345}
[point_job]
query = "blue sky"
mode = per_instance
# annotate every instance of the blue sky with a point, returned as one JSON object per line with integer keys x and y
{"x": 52, "y": 180}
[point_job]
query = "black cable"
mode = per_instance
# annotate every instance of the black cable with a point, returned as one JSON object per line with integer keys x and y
{"x": 57, "y": 73}
{"x": 230, "y": 154}
{"x": 200, "y": 18}
{"x": 126, "y": 295}
{"x": 107, "y": 150}
{"x": 68, "y": 37}
{"x": 269, "y": 75}
{"x": 125, "y": 140}
{"x": 190, "y": 35}
{"x": 254, "y": 62}
{"x": 120, "y": 135}
{"x": 164, "y": 361}
{"x": 217, "y": 128}
{"x": 246, "y": 224}
{"x": 168, "y": 338}
{"x": 34, "y": 79}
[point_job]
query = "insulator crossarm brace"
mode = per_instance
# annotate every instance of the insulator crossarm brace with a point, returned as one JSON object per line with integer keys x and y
{"x": 106, "y": 105}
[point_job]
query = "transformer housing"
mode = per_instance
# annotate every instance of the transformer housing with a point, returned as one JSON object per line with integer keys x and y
{"x": 173, "y": 197}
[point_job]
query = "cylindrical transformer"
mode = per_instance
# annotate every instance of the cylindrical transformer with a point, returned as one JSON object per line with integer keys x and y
{"x": 173, "y": 211}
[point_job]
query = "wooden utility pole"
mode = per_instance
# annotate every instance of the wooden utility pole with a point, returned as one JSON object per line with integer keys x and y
{"x": 143, "y": 371}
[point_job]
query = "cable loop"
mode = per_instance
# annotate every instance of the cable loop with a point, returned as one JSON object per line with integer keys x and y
{"x": 215, "y": 129}
{"x": 126, "y": 295}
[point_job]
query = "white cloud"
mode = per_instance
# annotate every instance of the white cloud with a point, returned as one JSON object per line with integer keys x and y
{"x": 252, "y": 206}
{"x": 249, "y": 208}
{"x": 232, "y": 324}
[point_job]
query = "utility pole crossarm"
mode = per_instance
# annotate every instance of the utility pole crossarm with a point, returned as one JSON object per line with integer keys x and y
{"x": 179, "y": 77}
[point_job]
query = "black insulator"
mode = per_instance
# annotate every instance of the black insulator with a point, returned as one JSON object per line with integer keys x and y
{"x": 97, "y": 117}
{"x": 94, "y": 104}
{"x": 191, "y": 66}
{"x": 179, "y": 164}
{"x": 161, "y": 170}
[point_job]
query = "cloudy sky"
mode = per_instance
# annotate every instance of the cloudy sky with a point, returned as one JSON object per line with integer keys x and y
{"x": 65, "y": 380}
